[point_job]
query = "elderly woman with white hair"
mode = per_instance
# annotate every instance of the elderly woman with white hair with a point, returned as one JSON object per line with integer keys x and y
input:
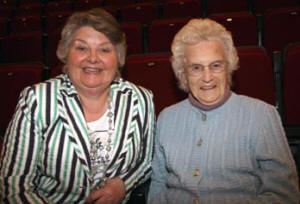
{"x": 217, "y": 146}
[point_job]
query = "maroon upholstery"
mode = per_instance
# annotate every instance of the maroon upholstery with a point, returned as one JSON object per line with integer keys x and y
{"x": 86, "y": 4}
{"x": 26, "y": 24}
{"x": 134, "y": 37}
{"x": 56, "y": 70}
{"x": 182, "y": 8}
{"x": 3, "y": 27}
{"x": 29, "y": 9}
{"x": 261, "y": 6}
{"x": 57, "y": 6}
{"x": 281, "y": 27}
{"x": 23, "y": 47}
{"x": 291, "y": 85}
{"x": 217, "y": 6}
{"x": 154, "y": 71}
{"x": 143, "y": 13}
{"x": 56, "y": 20}
{"x": 162, "y": 32}
{"x": 255, "y": 75}
{"x": 242, "y": 26}
{"x": 52, "y": 43}
{"x": 13, "y": 79}
{"x": 119, "y": 2}
{"x": 6, "y": 12}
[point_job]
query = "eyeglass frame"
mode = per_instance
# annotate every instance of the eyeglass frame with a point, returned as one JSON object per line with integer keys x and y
{"x": 210, "y": 66}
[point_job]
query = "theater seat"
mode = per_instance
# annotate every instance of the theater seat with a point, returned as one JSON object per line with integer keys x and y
{"x": 291, "y": 85}
{"x": 14, "y": 78}
{"x": 154, "y": 71}
{"x": 255, "y": 75}
{"x": 162, "y": 32}
{"x": 242, "y": 25}
{"x": 281, "y": 27}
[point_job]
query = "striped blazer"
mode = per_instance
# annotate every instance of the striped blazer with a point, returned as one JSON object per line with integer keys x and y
{"x": 45, "y": 156}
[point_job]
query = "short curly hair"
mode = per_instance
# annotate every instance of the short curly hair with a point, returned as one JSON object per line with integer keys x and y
{"x": 101, "y": 21}
{"x": 194, "y": 32}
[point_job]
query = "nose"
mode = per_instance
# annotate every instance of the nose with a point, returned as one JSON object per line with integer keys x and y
{"x": 207, "y": 75}
{"x": 93, "y": 57}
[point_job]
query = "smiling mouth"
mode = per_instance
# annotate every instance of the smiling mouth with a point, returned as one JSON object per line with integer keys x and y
{"x": 208, "y": 87}
{"x": 92, "y": 70}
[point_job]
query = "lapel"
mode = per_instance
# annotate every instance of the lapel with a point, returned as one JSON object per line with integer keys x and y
{"x": 122, "y": 101}
{"x": 74, "y": 123}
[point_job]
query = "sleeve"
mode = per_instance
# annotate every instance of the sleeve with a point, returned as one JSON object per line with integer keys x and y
{"x": 157, "y": 189}
{"x": 18, "y": 167}
{"x": 141, "y": 172}
{"x": 276, "y": 167}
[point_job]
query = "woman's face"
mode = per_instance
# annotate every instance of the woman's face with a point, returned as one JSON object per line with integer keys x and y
{"x": 206, "y": 71}
{"x": 92, "y": 61}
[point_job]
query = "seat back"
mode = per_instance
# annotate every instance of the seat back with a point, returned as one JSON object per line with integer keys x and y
{"x": 134, "y": 37}
{"x": 281, "y": 27}
{"x": 291, "y": 86}
{"x": 254, "y": 77}
{"x": 86, "y": 4}
{"x": 217, "y": 6}
{"x": 154, "y": 72}
{"x": 6, "y": 12}
{"x": 242, "y": 25}
{"x": 14, "y": 78}
{"x": 141, "y": 12}
{"x": 3, "y": 27}
{"x": 23, "y": 47}
{"x": 261, "y": 6}
{"x": 182, "y": 8}
{"x": 162, "y": 32}
{"x": 57, "y": 6}
{"x": 29, "y": 10}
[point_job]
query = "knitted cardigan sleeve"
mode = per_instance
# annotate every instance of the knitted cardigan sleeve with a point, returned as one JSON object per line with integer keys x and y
{"x": 275, "y": 165}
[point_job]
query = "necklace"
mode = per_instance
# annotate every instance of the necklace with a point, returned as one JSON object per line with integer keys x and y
{"x": 100, "y": 149}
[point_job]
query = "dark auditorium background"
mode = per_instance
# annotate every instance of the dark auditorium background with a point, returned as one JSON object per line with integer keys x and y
{"x": 266, "y": 32}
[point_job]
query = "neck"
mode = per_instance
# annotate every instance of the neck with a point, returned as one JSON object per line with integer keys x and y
{"x": 94, "y": 106}
{"x": 204, "y": 107}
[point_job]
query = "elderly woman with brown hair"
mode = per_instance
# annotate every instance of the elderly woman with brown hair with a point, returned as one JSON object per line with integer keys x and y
{"x": 217, "y": 146}
{"x": 86, "y": 135}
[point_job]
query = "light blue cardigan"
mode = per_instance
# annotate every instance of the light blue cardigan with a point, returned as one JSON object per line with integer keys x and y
{"x": 239, "y": 154}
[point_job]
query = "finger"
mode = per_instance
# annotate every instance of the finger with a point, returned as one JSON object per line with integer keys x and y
{"x": 95, "y": 195}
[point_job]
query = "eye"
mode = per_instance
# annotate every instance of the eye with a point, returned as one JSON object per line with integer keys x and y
{"x": 105, "y": 49}
{"x": 216, "y": 66}
{"x": 197, "y": 67}
{"x": 80, "y": 48}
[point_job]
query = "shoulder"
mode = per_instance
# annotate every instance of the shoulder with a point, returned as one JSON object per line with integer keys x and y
{"x": 56, "y": 82}
{"x": 250, "y": 103}
{"x": 253, "y": 107}
{"x": 176, "y": 111}
{"x": 126, "y": 87}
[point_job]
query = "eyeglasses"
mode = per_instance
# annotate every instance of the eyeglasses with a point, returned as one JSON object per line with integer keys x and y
{"x": 198, "y": 69}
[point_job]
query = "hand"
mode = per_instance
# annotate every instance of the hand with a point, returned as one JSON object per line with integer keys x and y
{"x": 112, "y": 193}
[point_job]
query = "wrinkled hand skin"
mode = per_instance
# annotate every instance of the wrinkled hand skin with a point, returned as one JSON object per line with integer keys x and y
{"x": 112, "y": 193}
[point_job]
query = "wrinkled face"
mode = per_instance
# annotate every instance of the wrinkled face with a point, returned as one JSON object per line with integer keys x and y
{"x": 92, "y": 61}
{"x": 206, "y": 71}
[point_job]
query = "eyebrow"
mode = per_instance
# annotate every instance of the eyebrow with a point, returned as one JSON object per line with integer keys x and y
{"x": 85, "y": 42}
{"x": 208, "y": 64}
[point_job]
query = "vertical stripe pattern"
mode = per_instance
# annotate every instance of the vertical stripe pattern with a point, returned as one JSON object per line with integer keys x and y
{"x": 46, "y": 146}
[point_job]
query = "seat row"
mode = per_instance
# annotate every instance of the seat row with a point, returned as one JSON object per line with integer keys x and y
{"x": 28, "y": 42}
{"x": 271, "y": 79}
{"x": 205, "y": 7}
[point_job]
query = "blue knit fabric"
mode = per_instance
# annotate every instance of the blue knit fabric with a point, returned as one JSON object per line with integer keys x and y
{"x": 239, "y": 154}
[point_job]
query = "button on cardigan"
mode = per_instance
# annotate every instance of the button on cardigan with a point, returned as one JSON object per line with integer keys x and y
{"x": 244, "y": 157}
